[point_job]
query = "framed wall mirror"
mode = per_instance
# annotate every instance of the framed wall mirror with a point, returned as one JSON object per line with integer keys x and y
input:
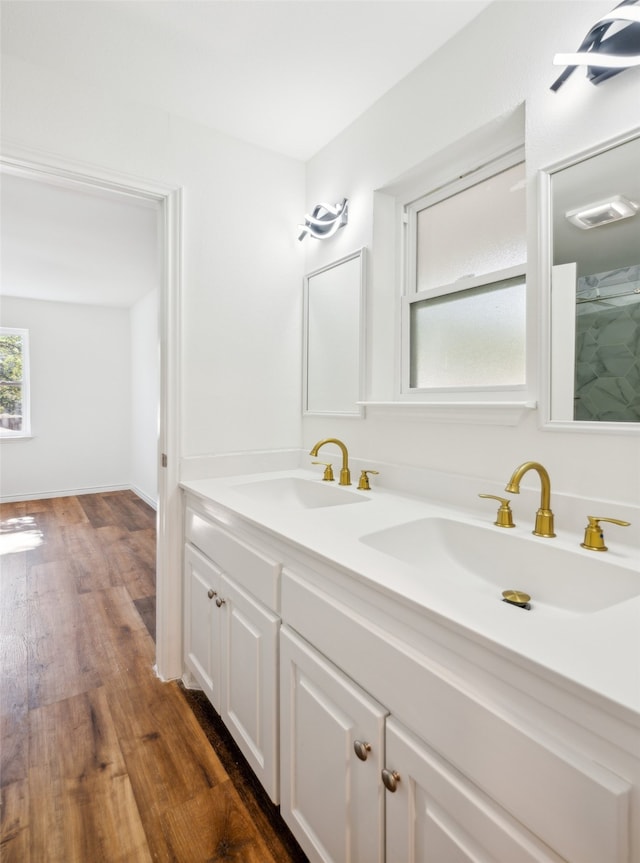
{"x": 333, "y": 342}
{"x": 591, "y": 264}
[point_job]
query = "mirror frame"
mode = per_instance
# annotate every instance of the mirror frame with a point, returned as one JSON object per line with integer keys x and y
{"x": 358, "y": 407}
{"x": 545, "y": 248}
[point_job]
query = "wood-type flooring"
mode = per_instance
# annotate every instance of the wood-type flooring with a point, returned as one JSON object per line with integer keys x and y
{"x": 99, "y": 760}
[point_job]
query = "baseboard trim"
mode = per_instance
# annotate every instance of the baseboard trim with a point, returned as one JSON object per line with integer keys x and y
{"x": 73, "y": 492}
{"x": 152, "y": 502}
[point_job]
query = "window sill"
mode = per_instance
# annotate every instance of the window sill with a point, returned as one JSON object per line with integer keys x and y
{"x": 475, "y": 413}
{"x": 12, "y": 437}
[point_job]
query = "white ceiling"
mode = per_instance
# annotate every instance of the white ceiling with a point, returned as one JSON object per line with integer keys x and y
{"x": 288, "y": 75}
{"x": 70, "y": 245}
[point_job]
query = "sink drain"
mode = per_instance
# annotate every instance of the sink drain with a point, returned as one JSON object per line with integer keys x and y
{"x": 517, "y": 597}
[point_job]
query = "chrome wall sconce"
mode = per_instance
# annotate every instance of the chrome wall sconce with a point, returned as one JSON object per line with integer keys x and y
{"x": 606, "y": 57}
{"x": 324, "y": 221}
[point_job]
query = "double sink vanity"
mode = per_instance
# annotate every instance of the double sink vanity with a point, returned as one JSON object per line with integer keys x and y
{"x": 417, "y": 679}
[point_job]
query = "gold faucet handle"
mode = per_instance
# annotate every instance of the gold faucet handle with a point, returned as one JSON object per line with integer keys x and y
{"x": 328, "y": 470}
{"x": 363, "y": 483}
{"x": 504, "y": 517}
{"x": 593, "y": 535}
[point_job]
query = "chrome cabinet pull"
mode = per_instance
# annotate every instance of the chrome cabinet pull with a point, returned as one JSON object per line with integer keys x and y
{"x": 219, "y": 602}
{"x": 211, "y": 593}
{"x": 390, "y": 779}
{"x": 362, "y": 749}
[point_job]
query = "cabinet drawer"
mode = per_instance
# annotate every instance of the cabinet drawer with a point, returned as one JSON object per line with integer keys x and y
{"x": 254, "y": 571}
{"x": 577, "y": 807}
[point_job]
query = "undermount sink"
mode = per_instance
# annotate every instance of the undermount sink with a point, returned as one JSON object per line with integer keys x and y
{"x": 492, "y": 560}
{"x": 299, "y": 493}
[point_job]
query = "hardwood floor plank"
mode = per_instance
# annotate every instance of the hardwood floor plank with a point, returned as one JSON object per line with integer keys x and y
{"x": 94, "y": 572}
{"x": 142, "y": 544}
{"x": 14, "y": 823}
{"x": 13, "y": 651}
{"x": 14, "y": 725}
{"x": 83, "y": 808}
{"x": 13, "y": 570}
{"x": 100, "y": 761}
{"x": 67, "y": 510}
{"x": 210, "y": 828}
{"x": 12, "y": 509}
{"x": 130, "y": 512}
{"x": 97, "y": 510}
{"x": 116, "y": 641}
{"x": 13, "y": 618}
{"x": 166, "y": 768}
{"x": 130, "y": 558}
{"x": 20, "y": 532}
{"x": 52, "y": 582}
{"x": 146, "y": 607}
{"x": 121, "y": 558}
{"x": 59, "y": 657}
{"x": 80, "y": 541}
{"x": 123, "y": 508}
{"x": 48, "y": 544}
{"x": 261, "y": 812}
{"x": 110, "y": 535}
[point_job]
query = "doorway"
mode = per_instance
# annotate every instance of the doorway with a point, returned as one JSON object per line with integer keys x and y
{"x": 168, "y": 202}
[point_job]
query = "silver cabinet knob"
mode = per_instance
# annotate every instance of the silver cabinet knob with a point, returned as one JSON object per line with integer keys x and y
{"x": 390, "y": 779}
{"x": 361, "y": 749}
{"x": 211, "y": 593}
{"x": 219, "y": 602}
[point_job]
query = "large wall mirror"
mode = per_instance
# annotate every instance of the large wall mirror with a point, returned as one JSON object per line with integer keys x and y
{"x": 593, "y": 265}
{"x": 333, "y": 346}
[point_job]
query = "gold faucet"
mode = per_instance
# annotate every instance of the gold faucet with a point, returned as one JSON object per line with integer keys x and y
{"x": 544, "y": 516}
{"x": 345, "y": 475}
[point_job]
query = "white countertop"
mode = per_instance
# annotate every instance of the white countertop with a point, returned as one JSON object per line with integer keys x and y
{"x": 599, "y": 651}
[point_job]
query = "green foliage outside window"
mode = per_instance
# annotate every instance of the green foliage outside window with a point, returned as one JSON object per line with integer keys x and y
{"x": 11, "y": 368}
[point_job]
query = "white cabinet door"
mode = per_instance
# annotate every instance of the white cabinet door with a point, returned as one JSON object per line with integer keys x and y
{"x": 249, "y": 704}
{"x": 202, "y": 637}
{"x": 435, "y": 815}
{"x": 332, "y": 800}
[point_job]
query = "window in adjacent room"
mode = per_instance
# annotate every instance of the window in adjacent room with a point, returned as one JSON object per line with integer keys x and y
{"x": 14, "y": 383}
{"x": 464, "y": 310}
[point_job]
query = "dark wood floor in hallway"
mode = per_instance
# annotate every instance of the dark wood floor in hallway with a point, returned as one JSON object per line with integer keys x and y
{"x": 99, "y": 760}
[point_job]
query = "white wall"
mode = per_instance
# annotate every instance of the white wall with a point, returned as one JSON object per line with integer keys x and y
{"x": 242, "y": 262}
{"x": 80, "y": 400}
{"x": 145, "y": 395}
{"x": 242, "y": 273}
{"x": 503, "y": 59}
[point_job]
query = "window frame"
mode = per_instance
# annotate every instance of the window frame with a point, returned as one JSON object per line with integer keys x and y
{"x": 25, "y": 431}
{"x": 410, "y": 294}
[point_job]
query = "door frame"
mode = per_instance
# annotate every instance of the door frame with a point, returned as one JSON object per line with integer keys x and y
{"x": 52, "y": 169}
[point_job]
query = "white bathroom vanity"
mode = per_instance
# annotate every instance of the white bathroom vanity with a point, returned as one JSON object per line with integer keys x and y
{"x": 357, "y": 647}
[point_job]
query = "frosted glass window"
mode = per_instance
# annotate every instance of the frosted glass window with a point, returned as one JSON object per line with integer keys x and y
{"x": 480, "y": 230}
{"x": 471, "y": 338}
